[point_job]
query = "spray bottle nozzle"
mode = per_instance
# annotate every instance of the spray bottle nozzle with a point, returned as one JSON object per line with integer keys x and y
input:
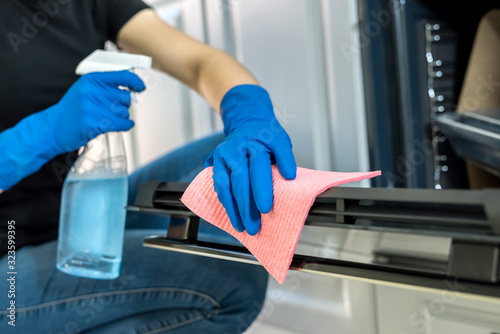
{"x": 106, "y": 61}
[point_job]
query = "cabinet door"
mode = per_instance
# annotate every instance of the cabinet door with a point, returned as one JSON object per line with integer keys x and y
{"x": 295, "y": 48}
{"x": 300, "y": 51}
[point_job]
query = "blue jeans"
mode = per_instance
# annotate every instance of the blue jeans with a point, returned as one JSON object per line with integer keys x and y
{"x": 158, "y": 291}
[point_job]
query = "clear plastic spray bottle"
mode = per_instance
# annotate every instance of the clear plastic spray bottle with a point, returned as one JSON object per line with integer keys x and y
{"x": 92, "y": 217}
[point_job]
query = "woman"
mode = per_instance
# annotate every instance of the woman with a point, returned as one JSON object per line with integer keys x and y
{"x": 48, "y": 113}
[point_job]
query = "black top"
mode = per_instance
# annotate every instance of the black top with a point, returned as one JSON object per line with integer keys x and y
{"x": 41, "y": 43}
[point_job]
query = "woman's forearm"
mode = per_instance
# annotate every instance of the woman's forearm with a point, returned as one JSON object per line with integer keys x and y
{"x": 219, "y": 73}
{"x": 208, "y": 71}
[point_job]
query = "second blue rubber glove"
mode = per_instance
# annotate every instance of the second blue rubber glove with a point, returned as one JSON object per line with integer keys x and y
{"x": 242, "y": 162}
{"x": 95, "y": 104}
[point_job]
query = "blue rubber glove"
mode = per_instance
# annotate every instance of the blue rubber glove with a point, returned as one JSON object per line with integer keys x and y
{"x": 242, "y": 162}
{"x": 93, "y": 105}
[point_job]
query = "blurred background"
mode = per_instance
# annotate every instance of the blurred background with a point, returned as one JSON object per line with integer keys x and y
{"x": 356, "y": 84}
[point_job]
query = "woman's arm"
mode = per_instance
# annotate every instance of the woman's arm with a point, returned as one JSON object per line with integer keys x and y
{"x": 254, "y": 137}
{"x": 67, "y": 125}
{"x": 208, "y": 71}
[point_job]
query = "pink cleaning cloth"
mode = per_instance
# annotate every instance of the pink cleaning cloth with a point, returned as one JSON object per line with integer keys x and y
{"x": 274, "y": 245}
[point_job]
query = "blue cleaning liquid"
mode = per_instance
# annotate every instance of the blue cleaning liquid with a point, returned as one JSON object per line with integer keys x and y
{"x": 92, "y": 226}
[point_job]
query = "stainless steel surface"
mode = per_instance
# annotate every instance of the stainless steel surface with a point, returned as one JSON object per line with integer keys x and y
{"x": 415, "y": 269}
{"x": 419, "y": 237}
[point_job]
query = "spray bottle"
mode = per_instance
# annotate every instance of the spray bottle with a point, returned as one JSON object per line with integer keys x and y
{"x": 92, "y": 217}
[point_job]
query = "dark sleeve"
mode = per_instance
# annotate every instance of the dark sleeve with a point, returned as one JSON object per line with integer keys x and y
{"x": 118, "y": 12}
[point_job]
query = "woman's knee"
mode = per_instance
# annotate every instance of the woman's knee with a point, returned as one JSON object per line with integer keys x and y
{"x": 244, "y": 302}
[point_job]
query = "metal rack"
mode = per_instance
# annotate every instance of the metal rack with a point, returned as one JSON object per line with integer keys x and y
{"x": 439, "y": 53}
{"x": 470, "y": 218}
